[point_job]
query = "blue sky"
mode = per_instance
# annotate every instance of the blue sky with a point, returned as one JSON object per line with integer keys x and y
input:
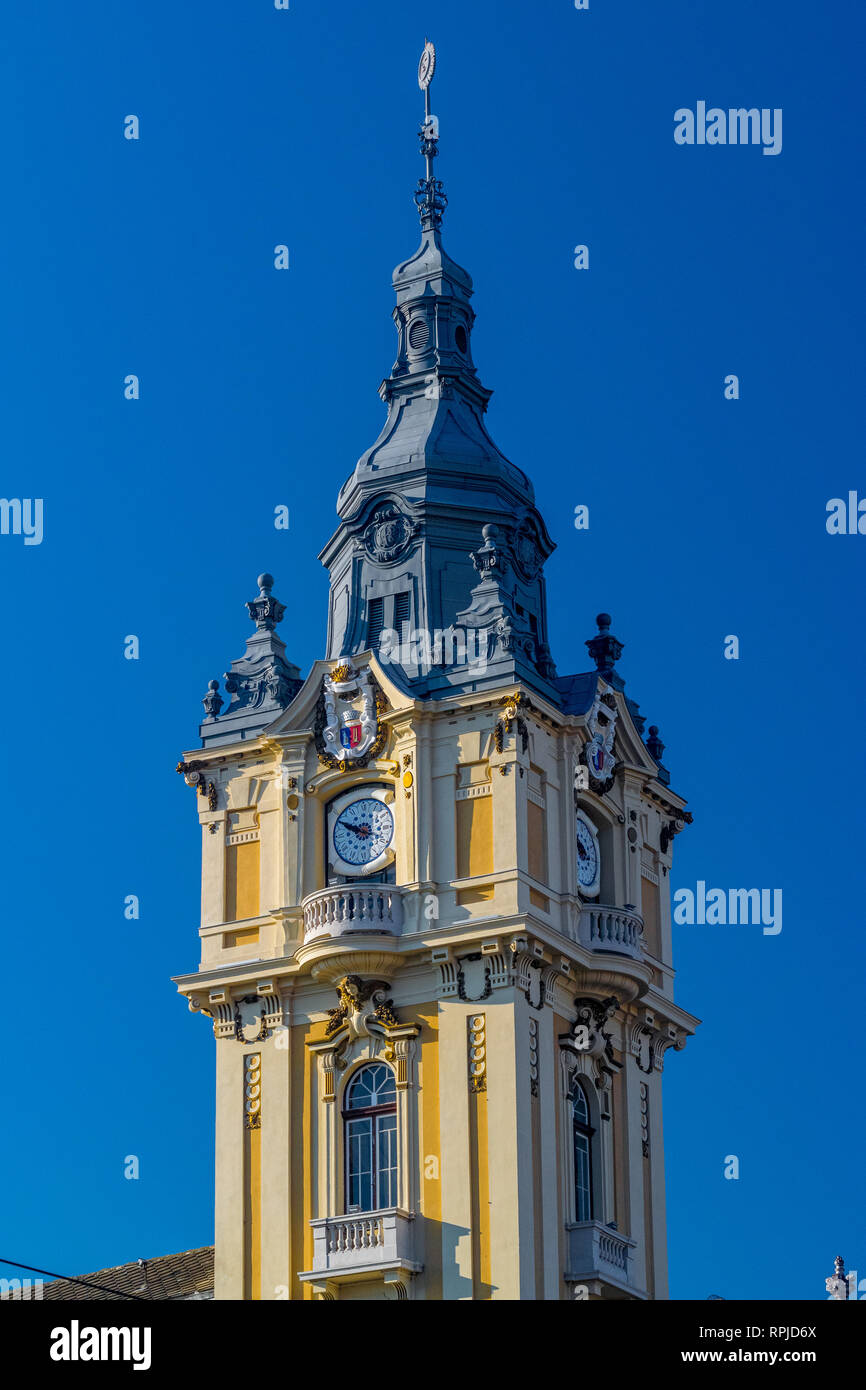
{"x": 258, "y": 388}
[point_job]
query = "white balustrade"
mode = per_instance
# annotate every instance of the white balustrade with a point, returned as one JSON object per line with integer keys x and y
{"x": 611, "y": 929}
{"x": 368, "y": 1241}
{"x": 351, "y": 907}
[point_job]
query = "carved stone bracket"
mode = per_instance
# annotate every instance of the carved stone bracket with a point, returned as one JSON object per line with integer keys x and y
{"x": 472, "y": 977}
{"x": 521, "y": 965}
{"x": 649, "y": 1039}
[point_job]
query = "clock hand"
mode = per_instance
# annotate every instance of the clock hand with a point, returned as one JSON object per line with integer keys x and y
{"x": 362, "y": 831}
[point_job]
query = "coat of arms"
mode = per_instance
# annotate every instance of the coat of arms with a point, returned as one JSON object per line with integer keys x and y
{"x": 348, "y": 725}
{"x": 597, "y": 755}
{"x": 388, "y": 534}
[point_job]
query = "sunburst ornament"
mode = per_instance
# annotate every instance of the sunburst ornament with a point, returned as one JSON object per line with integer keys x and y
{"x": 427, "y": 66}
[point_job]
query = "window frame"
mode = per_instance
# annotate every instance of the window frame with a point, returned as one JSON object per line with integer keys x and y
{"x": 585, "y": 1130}
{"x": 372, "y": 1115}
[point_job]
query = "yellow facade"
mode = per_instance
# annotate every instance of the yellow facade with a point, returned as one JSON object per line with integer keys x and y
{"x": 485, "y": 998}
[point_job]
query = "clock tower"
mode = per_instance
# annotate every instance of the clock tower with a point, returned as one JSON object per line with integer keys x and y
{"x": 436, "y": 929}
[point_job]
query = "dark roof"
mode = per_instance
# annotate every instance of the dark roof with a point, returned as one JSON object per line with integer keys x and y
{"x": 186, "y": 1275}
{"x": 578, "y": 692}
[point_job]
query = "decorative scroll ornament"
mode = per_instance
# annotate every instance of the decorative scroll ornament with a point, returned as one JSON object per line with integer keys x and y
{"x": 253, "y": 1091}
{"x": 592, "y": 1015}
{"x": 644, "y": 1119}
{"x": 597, "y": 755}
{"x": 533, "y": 1056}
{"x": 527, "y": 554}
{"x": 389, "y": 534}
{"x": 361, "y": 1001}
{"x": 365, "y": 1023}
{"x": 348, "y": 726}
{"x": 195, "y": 778}
{"x": 477, "y": 1048}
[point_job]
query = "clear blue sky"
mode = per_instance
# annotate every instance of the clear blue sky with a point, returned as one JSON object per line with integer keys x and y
{"x": 707, "y": 518}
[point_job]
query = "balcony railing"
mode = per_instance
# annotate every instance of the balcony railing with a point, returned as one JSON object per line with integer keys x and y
{"x": 346, "y": 1247}
{"x": 595, "y": 1252}
{"x": 615, "y": 929}
{"x": 375, "y": 909}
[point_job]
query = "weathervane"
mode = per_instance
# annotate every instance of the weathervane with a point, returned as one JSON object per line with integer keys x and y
{"x": 430, "y": 198}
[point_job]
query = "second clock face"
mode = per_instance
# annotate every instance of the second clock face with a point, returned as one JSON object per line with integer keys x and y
{"x": 588, "y": 862}
{"x": 363, "y": 831}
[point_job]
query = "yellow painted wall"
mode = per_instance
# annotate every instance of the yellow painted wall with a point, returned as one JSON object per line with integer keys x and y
{"x": 431, "y": 1152}
{"x": 249, "y": 937}
{"x": 647, "y": 1231}
{"x": 479, "y": 1167}
{"x": 649, "y": 897}
{"x": 474, "y": 837}
{"x": 537, "y": 1198}
{"x": 242, "y": 880}
{"x": 253, "y": 1214}
{"x": 536, "y": 829}
{"x": 620, "y": 1179}
{"x": 561, "y": 1026}
{"x": 305, "y": 1083}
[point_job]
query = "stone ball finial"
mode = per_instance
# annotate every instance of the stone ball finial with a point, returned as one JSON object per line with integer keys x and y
{"x": 654, "y": 743}
{"x": 489, "y": 532}
{"x": 603, "y": 621}
{"x": 213, "y": 701}
{"x": 265, "y": 583}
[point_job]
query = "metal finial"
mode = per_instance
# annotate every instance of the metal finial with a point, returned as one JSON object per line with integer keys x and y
{"x": 837, "y": 1285}
{"x": 430, "y": 198}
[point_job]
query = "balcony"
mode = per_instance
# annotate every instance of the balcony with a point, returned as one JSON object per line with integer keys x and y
{"x": 351, "y": 909}
{"x": 349, "y": 1249}
{"x": 617, "y": 930}
{"x": 599, "y": 1258}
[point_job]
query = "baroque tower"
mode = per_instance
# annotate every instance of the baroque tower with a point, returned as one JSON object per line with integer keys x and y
{"x": 436, "y": 929}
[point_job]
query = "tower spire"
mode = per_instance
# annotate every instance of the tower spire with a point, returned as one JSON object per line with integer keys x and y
{"x": 430, "y": 198}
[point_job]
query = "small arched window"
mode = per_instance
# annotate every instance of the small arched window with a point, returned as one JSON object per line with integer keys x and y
{"x": 582, "y": 1132}
{"x": 370, "y": 1124}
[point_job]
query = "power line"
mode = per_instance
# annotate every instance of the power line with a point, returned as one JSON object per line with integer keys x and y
{"x": 87, "y": 1283}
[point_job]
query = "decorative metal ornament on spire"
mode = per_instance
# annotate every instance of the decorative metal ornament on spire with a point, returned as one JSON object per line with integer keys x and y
{"x": 429, "y": 196}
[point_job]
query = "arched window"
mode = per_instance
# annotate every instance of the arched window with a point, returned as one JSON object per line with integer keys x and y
{"x": 370, "y": 1124}
{"x": 582, "y": 1132}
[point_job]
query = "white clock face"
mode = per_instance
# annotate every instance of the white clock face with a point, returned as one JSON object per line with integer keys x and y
{"x": 588, "y": 863}
{"x": 363, "y": 832}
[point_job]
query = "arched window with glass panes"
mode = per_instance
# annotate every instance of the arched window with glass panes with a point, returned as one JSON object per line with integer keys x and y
{"x": 370, "y": 1128}
{"x": 582, "y": 1133}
